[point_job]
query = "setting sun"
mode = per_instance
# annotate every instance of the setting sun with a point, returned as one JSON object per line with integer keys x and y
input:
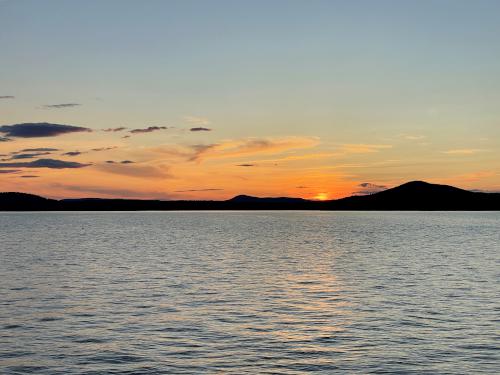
{"x": 321, "y": 196}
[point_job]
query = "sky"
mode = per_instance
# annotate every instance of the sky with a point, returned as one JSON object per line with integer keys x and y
{"x": 210, "y": 99}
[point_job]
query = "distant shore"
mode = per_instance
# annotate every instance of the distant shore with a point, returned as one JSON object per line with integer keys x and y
{"x": 415, "y": 195}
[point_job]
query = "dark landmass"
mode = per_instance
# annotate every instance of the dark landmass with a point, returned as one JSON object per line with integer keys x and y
{"x": 415, "y": 195}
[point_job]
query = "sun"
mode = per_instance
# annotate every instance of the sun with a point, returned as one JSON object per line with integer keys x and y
{"x": 321, "y": 196}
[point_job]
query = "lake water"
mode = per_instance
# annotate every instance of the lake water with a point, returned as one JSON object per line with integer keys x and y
{"x": 250, "y": 293}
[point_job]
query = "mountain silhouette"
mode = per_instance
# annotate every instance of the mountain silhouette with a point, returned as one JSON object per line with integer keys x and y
{"x": 415, "y": 195}
{"x": 419, "y": 195}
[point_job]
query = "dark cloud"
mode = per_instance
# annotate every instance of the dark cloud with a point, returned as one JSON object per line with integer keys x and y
{"x": 40, "y": 129}
{"x": 200, "y": 129}
{"x": 62, "y": 105}
{"x": 121, "y": 128}
{"x": 245, "y": 165}
{"x": 73, "y": 153}
{"x": 4, "y": 139}
{"x": 76, "y": 153}
{"x": 193, "y": 190}
{"x": 126, "y": 136}
{"x": 27, "y": 156}
{"x": 369, "y": 188}
{"x": 29, "y": 176}
{"x": 5, "y": 171}
{"x": 148, "y": 129}
{"x": 301, "y": 187}
{"x": 7, "y": 97}
{"x": 44, "y": 163}
{"x": 41, "y": 149}
{"x": 120, "y": 162}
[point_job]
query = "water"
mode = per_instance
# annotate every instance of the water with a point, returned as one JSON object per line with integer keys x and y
{"x": 249, "y": 292}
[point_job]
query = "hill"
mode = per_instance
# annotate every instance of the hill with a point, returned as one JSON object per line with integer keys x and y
{"x": 415, "y": 195}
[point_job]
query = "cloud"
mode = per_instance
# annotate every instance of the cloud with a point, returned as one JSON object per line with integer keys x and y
{"x": 237, "y": 148}
{"x": 62, "y": 105}
{"x": 200, "y": 129}
{"x": 361, "y": 148}
{"x": 120, "y": 162}
{"x": 104, "y": 148}
{"x": 4, "y": 139}
{"x": 7, "y": 97}
{"x": 76, "y": 153}
{"x": 463, "y": 151}
{"x": 133, "y": 170}
{"x": 40, "y": 129}
{"x": 44, "y": 163}
{"x": 369, "y": 188}
{"x": 114, "y": 129}
{"x": 302, "y": 187}
{"x": 27, "y": 156}
{"x": 41, "y": 149}
{"x": 197, "y": 120}
{"x": 29, "y": 176}
{"x": 148, "y": 129}
{"x": 413, "y": 137}
{"x": 5, "y": 171}
{"x": 114, "y": 192}
{"x": 196, "y": 190}
{"x": 245, "y": 165}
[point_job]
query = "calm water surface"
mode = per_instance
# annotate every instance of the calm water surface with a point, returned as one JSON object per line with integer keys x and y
{"x": 249, "y": 293}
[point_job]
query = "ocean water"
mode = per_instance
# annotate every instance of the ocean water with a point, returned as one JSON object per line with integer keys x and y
{"x": 250, "y": 293}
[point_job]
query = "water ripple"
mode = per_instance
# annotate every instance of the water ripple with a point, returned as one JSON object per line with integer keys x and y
{"x": 249, "y": 292}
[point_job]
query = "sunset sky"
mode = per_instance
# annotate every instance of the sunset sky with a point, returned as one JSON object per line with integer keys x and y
{"x": 210, "y": 99}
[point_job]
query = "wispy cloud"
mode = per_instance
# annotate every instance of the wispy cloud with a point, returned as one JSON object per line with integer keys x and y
{"x": 149, "y": 129}
{"x": 7, "y": 97}
{"x": 119, "y": 129}
{"x": 131, "y": 170}
{"x": 61, "y": 105}
{"x": 104, "y": 148}
{"x": 413, "y": 137}
{"x": 245, "y": 165}
{"x": 39, "y": 129}
{"x": 113, "y": 192}
{"x": 6, "y": 171}
{"x": 237, "y": 148}
{"x": 362, "y": 148}
{"x": 200, "y": 129}
{"x": 463, "y": 151}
